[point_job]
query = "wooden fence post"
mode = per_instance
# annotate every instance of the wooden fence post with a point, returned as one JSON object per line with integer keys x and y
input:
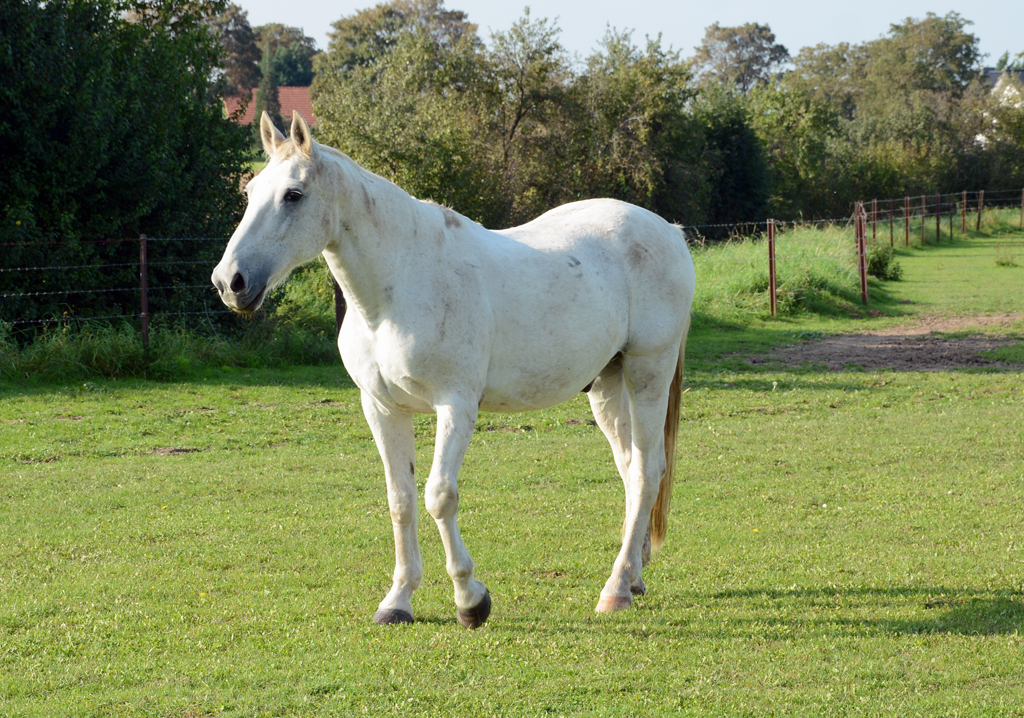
{"x": 924, "y": 213}
{"x": 938, "y": 218}
{"x": 339, "y": 306}
{"x": 143, "y": 276}
{"x": 771, "y": 268}
{"x": 891, "y": 241}
{"x": 963, "y": 213}
{"x": 861, "y": 231}
{"x": 981, "y": 205}
{"x": 906, "y": 219}
{"x": 874, "y": 220}
{"x": 952, "y": 211}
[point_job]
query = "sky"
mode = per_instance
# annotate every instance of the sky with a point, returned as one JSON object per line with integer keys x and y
{"x": 796, "y": 23}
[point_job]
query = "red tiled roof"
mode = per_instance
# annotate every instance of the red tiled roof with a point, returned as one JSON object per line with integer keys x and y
{"x": 290, "y": 98}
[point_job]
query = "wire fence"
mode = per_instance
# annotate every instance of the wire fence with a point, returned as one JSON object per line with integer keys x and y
{"x": 906, "y": 220}
{"x": 143, "y": 289}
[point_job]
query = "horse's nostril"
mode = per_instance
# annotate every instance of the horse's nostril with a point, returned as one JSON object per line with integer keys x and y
{"x": 237, "y": 282}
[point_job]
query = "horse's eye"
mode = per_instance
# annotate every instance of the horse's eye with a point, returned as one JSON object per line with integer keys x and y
{"x": 292, "y": 195}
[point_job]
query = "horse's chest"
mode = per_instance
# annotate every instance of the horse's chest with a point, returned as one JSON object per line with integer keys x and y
{"x": 397, "y": 368}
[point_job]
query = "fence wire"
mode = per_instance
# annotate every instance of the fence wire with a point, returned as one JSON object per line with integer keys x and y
{"x": 912, "y": 212}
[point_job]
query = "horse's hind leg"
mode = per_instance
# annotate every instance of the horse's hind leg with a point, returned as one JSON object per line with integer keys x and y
{"x": 609, "y": 401}
{"x": 647, "y": 380}
{"x": 393, "y": 433}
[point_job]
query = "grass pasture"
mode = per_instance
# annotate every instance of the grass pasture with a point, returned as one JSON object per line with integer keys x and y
{"x": 841, "y": 543}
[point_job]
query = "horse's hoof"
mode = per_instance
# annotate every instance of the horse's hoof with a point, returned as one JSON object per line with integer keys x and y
{"x": 474, "y": 617}
{"x": 639, "y": 588}
{"x": 610, "y": 604}
{"x": 391, "y": 616}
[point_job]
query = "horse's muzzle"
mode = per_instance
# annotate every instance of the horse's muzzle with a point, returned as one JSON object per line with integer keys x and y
{"x": 241, "y": 296}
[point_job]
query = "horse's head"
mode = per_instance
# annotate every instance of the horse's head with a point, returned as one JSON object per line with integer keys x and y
{"x": 284, "y": 224}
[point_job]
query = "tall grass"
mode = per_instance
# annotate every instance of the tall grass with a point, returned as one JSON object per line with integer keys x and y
{"x": 297, "y": 327}
{"x": 816, "y": 272}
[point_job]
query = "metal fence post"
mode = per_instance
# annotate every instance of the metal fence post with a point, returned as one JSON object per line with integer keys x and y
{"x": 771, "y": 268}
{"x": 143, "y": 272}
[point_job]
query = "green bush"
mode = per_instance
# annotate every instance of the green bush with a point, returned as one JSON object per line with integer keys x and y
{"x": 882, "y": 263}
{"x": 110, "y": 130}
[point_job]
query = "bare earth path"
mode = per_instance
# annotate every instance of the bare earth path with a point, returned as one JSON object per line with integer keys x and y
{"x": 917, "y": 347}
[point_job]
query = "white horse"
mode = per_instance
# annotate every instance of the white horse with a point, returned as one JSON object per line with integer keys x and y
{"x": 447, "y": 317}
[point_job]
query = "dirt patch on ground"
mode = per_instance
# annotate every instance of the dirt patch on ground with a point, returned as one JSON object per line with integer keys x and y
{"x": 172, "y": 451}
{"x": 918, "y": 347}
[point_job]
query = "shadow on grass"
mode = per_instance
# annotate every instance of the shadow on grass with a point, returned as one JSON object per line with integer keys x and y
{"x": 941, "y": 610}
{"x": 773, "y": 614}
{"x": 326, "y": 376}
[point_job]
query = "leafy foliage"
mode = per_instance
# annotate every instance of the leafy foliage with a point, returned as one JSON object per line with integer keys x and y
{"x": 745, "y": 56}
{"x": 505, "y": 133}
{"x": 902, "y": 115}
{"x": 289, "y": 52}
{"x": 241, "y": 56}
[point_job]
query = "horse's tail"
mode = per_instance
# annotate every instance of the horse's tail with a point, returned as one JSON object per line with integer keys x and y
{"x": 659, "y": 514}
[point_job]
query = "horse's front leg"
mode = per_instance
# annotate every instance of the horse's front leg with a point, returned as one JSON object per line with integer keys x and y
{"x": 455, "y": 424}
{"x": 393, "y": 433}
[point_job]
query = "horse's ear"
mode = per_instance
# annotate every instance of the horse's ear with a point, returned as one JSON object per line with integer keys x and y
{"x": 270, "y": 135}
{"x": 301, "y": 136}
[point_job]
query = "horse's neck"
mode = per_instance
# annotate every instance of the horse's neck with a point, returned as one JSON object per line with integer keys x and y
{"x": 378, "y": 229}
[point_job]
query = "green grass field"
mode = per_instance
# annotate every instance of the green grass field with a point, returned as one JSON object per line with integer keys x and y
{"x": 841, "y": 543}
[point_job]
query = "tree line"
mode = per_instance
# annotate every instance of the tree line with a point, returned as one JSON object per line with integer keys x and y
{"x": 740, "y": 131}
{"x": 113, "y": 125}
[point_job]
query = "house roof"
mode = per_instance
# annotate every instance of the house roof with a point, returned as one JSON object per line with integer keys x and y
{"x": 992, "y": 76}
{"x": 290, "y": 98}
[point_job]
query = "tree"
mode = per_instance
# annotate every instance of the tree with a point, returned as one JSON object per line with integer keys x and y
{"x": 241, "y": 63}
{"x": 292, "y": 66}
{"x": 506, "y": 133}
{"x": 637, "y": 141}
{"x": 415, "y": 115}
{"x": 736, "y": 159}
{"x": 367, "y": 36}
{"x": 266, "y": 95}
{"x": 1006, "y": 63}
{"x": 799, "y": 132}
{"x": 528, "y": 72}
{"x": 290, "y": 53}
{"x": 110, "y": 130}
{"x": 936, "y": 54}
{"x": 745, "y": 56}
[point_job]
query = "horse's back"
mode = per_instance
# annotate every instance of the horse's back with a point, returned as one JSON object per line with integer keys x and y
{"x": 645, "y": 257}
{"x": 575, "y": 287}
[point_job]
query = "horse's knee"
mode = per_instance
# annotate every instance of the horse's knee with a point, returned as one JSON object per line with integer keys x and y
{"x": 441, "y": 499}
{"x": 402, "y": 509}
